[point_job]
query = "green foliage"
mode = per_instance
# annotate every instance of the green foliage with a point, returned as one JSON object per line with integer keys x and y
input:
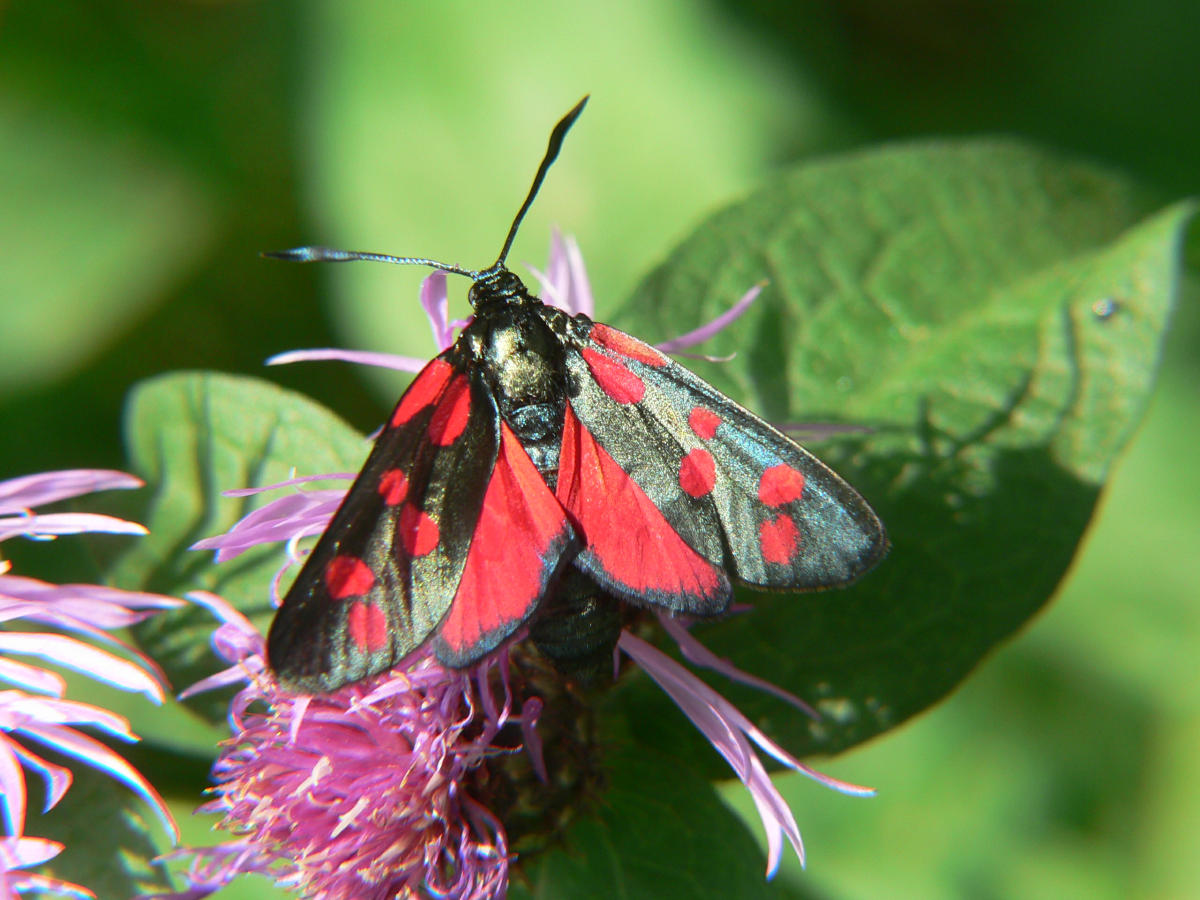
{"x": 676, "y": 840}
{"x": 946, "y": 296}
{"x": 109, "y": 849}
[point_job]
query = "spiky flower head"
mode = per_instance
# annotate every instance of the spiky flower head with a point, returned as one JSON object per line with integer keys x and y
{"x": 359, "y": 794}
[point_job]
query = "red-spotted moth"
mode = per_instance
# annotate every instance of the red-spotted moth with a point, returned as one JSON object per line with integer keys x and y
{"x": 540, "y": 467}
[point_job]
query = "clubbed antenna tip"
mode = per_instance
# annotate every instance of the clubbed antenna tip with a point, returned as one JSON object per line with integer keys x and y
{"x": 556, "y": 140}
{"x": 328, "y": 254}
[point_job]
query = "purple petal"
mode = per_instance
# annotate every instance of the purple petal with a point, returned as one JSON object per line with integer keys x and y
{"x": 18, "y": 852}
{"x": 555, "y": 281}
{"x": 530, "y": 711}
{"x": 707, "y": 357}
{"x": 292, "y": 516}
{"x": 75, "y": 605}
{"x": 92, "y": 661}
{"x": 54, "y": 524}
{"x": 699, "y": 655}
{"x": 224, "y": 678}
{"x": 32, "y": 678}
{"x": 727, "y": 729}
{"x": 236, "y": 641}
{"x": 225, "y": 611}
{"x": 303, "y": 479}
{"x": 20, "y": 711}
{"x": 580, "y": 295}
{"x": 214, "y": 867}
{"x": 360, "y": 357}
{"x": 565, "y": 282}
{"x": 56, "y": 778}
{"x": 437, "y": 308}
{"x": 558, "y": 268}
{"x": 98, "y": 756}
{"x": 776, "y": 816}
{"x": 549, "y": 291}
{"x": 705, "y": 332}
{"x": 707, "y": 711}
{"x": 770, "y": 747}
{"x": 28, "y": 491}
{"x": 12, "y": 786}
{"x": 41, "y": 885}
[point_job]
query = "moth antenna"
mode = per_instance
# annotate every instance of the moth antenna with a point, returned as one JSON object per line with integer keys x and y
{"x": 556, "y": 140}
{"x": 328, "y": 254}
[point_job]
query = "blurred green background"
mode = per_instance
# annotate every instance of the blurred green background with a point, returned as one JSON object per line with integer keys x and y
{"x": 149, "y": 150}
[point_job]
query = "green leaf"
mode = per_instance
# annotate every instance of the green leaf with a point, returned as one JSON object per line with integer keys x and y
{"x": 955, "y": 298}
{"x": 660, "y": 830}
{"x": 192, "y": 436}
{"x": 109, "y": 834}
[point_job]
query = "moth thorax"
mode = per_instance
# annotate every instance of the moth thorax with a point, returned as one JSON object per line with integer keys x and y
{"x": 524, "y": 361}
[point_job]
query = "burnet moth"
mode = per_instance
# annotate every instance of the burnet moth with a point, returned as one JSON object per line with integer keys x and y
{"x": 540, "y": 467}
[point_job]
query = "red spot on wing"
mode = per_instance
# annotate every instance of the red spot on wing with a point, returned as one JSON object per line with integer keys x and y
{"x": 778, "y": 539}
{"x": 416, "y": 531}
{"x": 704, "y": 422}
{"x": 450, "y": 418}
{"x": 368, "y": 627}
{"x": 425, "y": 389}
{"x": 393, "y": 487}
{"x": 348, "y": 576}
{"x": 780, "y": 485}
{"x": 518, "y": 543}
{"x": 623, "y": 530}
{"x": 615, "y": 379}
{"x": 626, "y": 345}
{"x": 697, "y": 473}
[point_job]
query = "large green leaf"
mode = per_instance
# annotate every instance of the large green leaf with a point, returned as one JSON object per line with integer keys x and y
{"x": 659, "y": 830}
{"x": 995, "y": 315}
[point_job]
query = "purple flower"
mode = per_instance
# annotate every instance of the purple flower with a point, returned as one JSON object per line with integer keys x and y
{"x": 366, "y": 792}
{"x": 731, "y": 733}
{"x": 361, "y": 794}
{"x": 18, "y": 853}
{"x": 36, "y": 712}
